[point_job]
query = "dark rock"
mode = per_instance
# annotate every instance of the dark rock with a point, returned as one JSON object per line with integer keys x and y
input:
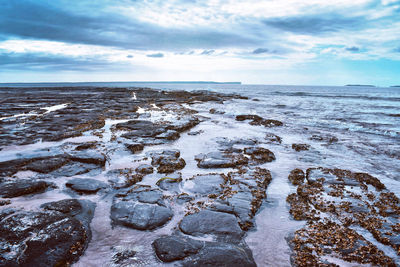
{"x": 140, "y": 216}
{"x": 10, "y": 167}
{"x": 86, "y": 185}
{"x": 75, "y": 168}
{"x": 220, "y": 160}
{"x": 214, "y": 111}
{"x": 169, "y": 135}
{"x": 88, "y": 145}
{"x": 204, "y": 184}
{"x": 257, "y": 120}
{"x": 273, "y": 138}
{"x": 47, "y": 165}
{"x": 141, "y": 129}
{"x": 172, "y": 248}
{"x": 122, "y": 256}
{"x": 184, "y": 124}
{"x": 260, "y": 154}
{"x": 5, "y": 202}
{"x": 167, "y": 161}
{"x": 22, "y": 187}
{"x": 222, "y": 225}
{"x": 268, "y": 123}
{"x": 327, "y": 138}
{"x": 90, "y": 157}
{"x": 45, "y": 238}
{"x": 300, "y": 147}
{"x": 248, "y": 117}
{"x": 145, "y": 169}
{"x": 296, "y": 176}
{"x": 221, "y": 254}
{"x": 135, "y": 148}
{"x": 67, "y": 206}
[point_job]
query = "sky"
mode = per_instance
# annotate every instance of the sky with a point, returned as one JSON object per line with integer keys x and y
{"x": 293, "y": 42}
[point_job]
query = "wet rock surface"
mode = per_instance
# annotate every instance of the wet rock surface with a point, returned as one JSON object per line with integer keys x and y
{"x": 342, "y": 209}
{"x": 300, "y": 147}
{"x": 85, "y": 185}
{"x": 46, "y": 238}
{"x": 222, "y": 225}
{"x": 21, "y": 187}
{"x": 257, "y": 120}
{"x": 167, "y": 161}
{"x": 297, "y": 176}
{"x": 140, "y": 208}
{"x": 182, "y": 178}
{"x": 172, "y": 248}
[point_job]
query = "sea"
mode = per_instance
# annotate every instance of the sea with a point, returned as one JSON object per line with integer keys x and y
{"x": 361, "y": 124}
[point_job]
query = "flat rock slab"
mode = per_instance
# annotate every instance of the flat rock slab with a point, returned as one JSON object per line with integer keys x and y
{"x": 47, "y": 165}
{"x": 140, "y": 216}
{"x": 88, "y": 156}
{"x": 85, "y": 186}
{"x": 172, "y": 248}
{"x": 22, "y": 187}
{"x": 220, "y": 160}
{"x": 204, "y": 184}
{"x": 45, "y": 238}
{"x": 206, "y": 222}
{"x": 221, "y": 254}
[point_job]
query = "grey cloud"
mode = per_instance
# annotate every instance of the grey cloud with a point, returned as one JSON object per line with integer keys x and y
{"x": 316, "y": 24}
{"x": 207, "y": 52}
{"x": 39, "y": 61}
{"x": 43, "y": 20}
{"x": 353, "y": 49}
{"x": 156, "y": 55}
{"x": 260, "y": 51}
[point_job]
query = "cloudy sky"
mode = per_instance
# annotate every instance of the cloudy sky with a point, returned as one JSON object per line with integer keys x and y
{"x": 272, "y": 42}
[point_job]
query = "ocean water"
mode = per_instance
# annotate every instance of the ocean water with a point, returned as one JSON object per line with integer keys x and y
{"x": 354, "y": 128}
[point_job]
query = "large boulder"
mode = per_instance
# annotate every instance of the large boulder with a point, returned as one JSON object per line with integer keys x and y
{"x": 205, "y": 222}
{"x": 172, "y": 248}
{"x": 46, "y": 238}
{"x": 140, "y": 216}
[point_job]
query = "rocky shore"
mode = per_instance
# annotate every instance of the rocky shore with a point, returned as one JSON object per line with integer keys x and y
{"x": 137, "y": 176}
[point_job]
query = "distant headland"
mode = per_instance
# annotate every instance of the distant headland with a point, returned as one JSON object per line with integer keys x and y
{"x": 361, "y": 85}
